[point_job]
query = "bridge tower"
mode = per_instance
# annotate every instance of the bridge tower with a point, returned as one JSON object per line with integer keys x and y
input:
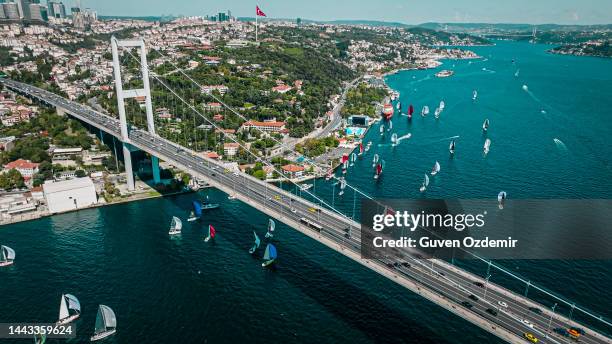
{"x": 133, "y": 93}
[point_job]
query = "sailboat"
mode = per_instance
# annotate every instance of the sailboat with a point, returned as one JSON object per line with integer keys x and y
{"x": 7, "y": 255}
{"x": 442, "y": 105}
{"x": 425, "y": 184}
{"x": 394, "y": 139}
{"x": 342, "y": 186}
{"x": 175, "y": 226}
{"x": 435, "y": 169}
{"x": 382, "y": 129}
{"x": 271, "y": 227}
{"x": 211, "y": 233}
{"x": 410, "y": 111}
{"x": 487, "y": 144}
{"x": 390, "y": 126}
{"x": 208, "y": 205}
{"x": 353, "y": 158}
{"x": 368, "y": 146}
{"x": 196, "y": 213}
{"x": 485, "y": 125}
{"x": 68, "y": 303}
{"x": 255, "y": 244}
{"x": 425, "y": 111}
{"x": 269, "y": 256}
{"x": 360, "y": 149}
{"x": 106, "y": 323}
{"x": 474, "y": 95}
{"x": 451, "y": 148}
{"x": 517, "y": 73}
{"x": 344, "y": 162}
{"x": 379, "y": 170}
{"x": 501, "y": 199}
{"x": 399, "y": 105}
{"x": 437, "y": 113}
{"x": 375, "y": 160}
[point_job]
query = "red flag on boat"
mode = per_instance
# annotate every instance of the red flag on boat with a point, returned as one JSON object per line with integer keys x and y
{"x": 212, "y": 231}
{"x": 259, "y": 12}
{"x": 410, "y": 110}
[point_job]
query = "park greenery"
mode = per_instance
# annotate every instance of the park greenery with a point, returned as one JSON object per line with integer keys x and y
{"x": 315, "y": 147}
{"x": 363, "y": 100}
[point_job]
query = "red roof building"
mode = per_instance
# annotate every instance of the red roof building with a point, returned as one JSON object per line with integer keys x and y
{"x": 25, "y": 167}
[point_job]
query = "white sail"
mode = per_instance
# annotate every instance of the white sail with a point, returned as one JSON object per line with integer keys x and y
{"x": 501, "y": 196}
{"x": 485, "y": 124}
{"x": 390, "y": 126}
{"x": 271, "y": 225}
{"x": 382, "y": 128}
{"x": 7, "y": 253}
{"x": 435, "y": 169}
{"x": 486, "y": 146}
{"x": 451, "y": 147}
{"x": 437, "y": 113}
{"x": 426, "y": 181}
{"x": 425, "y": 111}
{"x": 375, "y": 160}
{"x": 342, "y": 186}
{"x": 106, "y": 323}
{"x": 394, "y": 139}
{"x": 63, "y": 312}
{"x": 442, "y": 105}
{"x": 353, "y": 158}
{"x": 474, "y": 95}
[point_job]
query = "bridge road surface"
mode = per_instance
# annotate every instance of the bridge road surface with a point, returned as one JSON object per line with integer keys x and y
{"x": 436, "y": 280}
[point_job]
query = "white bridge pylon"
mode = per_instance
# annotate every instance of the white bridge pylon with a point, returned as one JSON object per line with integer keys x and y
{"x": 133, "y": 93}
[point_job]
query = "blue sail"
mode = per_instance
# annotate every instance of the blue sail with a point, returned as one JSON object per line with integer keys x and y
{"x": 197, "y": 208}
{"x": 272, "y": 252}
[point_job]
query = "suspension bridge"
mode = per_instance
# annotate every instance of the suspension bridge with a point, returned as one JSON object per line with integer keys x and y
{"x": 463, "y": 293}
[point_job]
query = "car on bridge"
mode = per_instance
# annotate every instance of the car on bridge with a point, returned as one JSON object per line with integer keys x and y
{"x": 466, "y": 304}
{"x": 530, "y": 337}
{"x": 478, "y": 284}
{"x": 492, "y": 312}
{"x": 473, "y": 297}
{"x": 536, "y": 310}
{"x": 561, "y": 331}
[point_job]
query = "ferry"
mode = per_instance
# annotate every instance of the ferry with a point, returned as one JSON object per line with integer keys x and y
{"x": 444, "y": 73}
{"x": 387, "y": 111}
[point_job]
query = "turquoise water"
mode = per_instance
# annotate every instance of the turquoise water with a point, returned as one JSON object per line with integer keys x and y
{"x": 188, "y": 291}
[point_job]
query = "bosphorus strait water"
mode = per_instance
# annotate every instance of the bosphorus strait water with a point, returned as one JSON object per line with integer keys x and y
{"x": 184, "y": 290}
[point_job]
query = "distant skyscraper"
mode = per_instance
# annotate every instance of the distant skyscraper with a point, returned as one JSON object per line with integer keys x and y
{"x": 11, "y": 10}
{"x": 298, "y": 21}
{"x": 2, "y": 14}
{"x": 56, "y": 9}
{"x": 222, "y": 17}
{"x": 38, "y": 12}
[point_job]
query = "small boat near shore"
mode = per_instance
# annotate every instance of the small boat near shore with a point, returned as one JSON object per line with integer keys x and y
{"x": 368, "y": 146}
{"x": 451, "y": 147}
{"x": 444, "y": 73}
{"x": 485, "y": 125}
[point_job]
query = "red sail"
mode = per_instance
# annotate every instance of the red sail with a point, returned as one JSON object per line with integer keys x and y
{"x": 344, "y": 158}
{"x": 360, "y": 147}
{"x": 212, "y": 231}
{"x": 410, "y": 110}
{"x": 379, "y": 169}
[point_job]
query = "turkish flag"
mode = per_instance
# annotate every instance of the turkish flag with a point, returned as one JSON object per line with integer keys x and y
{"x": 259, "y": 12}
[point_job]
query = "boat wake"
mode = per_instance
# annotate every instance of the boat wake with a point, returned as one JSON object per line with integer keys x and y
{"x": 560, "y": 144}
{"x": 488, "y": 70}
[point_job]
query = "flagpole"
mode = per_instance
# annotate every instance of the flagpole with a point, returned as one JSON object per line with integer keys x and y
{"x": 256, "y": 27}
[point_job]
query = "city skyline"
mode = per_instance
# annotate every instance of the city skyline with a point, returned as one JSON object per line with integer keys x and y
{"x": 404, "y": 11}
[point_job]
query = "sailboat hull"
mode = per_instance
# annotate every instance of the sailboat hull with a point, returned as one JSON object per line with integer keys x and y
{"x": 68, "y": 319}
{"x": 7, "y": 263}
{"x": 252, "y": 250}
{"x": 207, "y": 239}
{"x": 422, "y": 189}
{"x": 102, "y": 335}
{"x": 267, "y": 263}
{"x": 191, "y": 219}
{"x": 174, "y": 232}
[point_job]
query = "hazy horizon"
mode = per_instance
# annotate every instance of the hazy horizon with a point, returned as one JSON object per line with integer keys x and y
{"x": 411, "y": 12}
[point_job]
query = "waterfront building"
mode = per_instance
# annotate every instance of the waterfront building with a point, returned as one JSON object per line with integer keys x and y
{"x": 293, "y": 171}
{"x": 70, "y": 194}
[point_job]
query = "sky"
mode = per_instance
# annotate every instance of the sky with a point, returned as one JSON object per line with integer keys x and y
{"x": 404, "y": 11}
